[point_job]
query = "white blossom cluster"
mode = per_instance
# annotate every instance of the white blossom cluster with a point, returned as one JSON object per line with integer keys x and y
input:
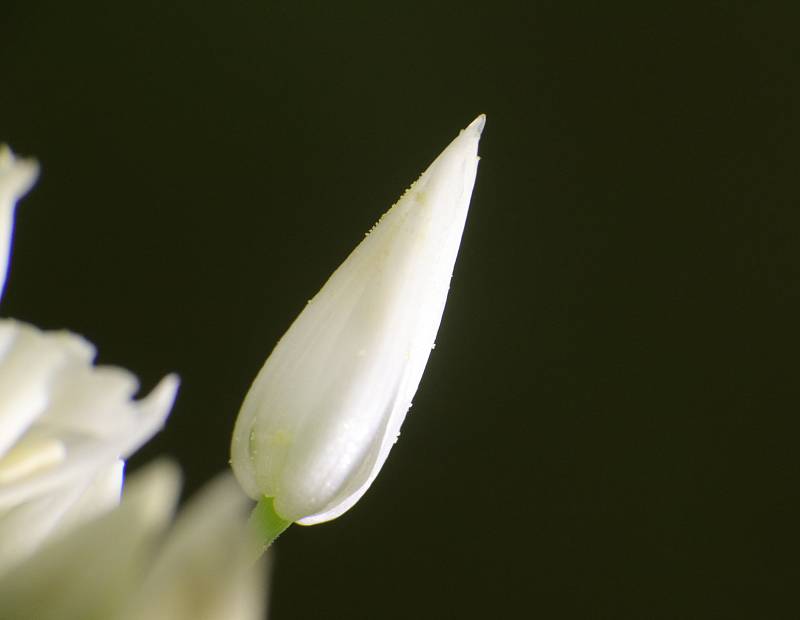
{"x": 67, "y": 548}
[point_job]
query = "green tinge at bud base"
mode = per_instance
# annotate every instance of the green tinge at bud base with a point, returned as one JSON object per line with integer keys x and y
{"x": 326, "y": 408}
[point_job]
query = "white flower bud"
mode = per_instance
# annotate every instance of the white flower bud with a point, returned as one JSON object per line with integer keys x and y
{"x": 324, "y": 411}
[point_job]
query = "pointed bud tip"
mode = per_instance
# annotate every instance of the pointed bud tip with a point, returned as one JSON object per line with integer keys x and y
{"x": 477, "y": 125}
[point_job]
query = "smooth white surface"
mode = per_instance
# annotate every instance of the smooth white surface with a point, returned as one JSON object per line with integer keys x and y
{"x": 324, "y": 411}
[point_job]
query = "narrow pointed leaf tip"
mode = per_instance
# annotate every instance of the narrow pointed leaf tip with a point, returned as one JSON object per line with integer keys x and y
{"x": 325, "y": 409}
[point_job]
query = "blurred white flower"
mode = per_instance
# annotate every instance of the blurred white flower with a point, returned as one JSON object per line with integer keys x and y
{"x": 324, "y": 411}
{"x": 125, "y": 565}
{"x": 16, "y": 178}
{"x": 65, "y": 425}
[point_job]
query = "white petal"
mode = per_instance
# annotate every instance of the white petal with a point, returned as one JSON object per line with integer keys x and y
{"x": 31, "y": 456}
{"x": 98, "y": 497}
{"x": 24, "y": 528}
{"x": 16, "y": 178}
{"x": 95, "y": 401}
{"x": 205, "y": 569}
{"x": 29, "y": 363}
{"x": 111, "y": 427}
{"x": 93, "y": 571}
{"x": 327, "y": 406}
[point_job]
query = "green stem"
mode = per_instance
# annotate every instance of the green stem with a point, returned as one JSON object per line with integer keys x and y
{"x": 266, "y": 523}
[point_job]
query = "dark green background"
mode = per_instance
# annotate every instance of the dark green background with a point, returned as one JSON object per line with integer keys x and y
{"x": 608, "y": 426}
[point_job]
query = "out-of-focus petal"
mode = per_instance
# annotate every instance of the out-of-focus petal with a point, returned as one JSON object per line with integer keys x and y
{"x": 94, "y": 570}
{"x": 205, "y": 569}
{"x": 65, "y": 427}
{"x": 17, "y": 176}
{"x": 24, "y": 528}
{"x": 129, "y": 565}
